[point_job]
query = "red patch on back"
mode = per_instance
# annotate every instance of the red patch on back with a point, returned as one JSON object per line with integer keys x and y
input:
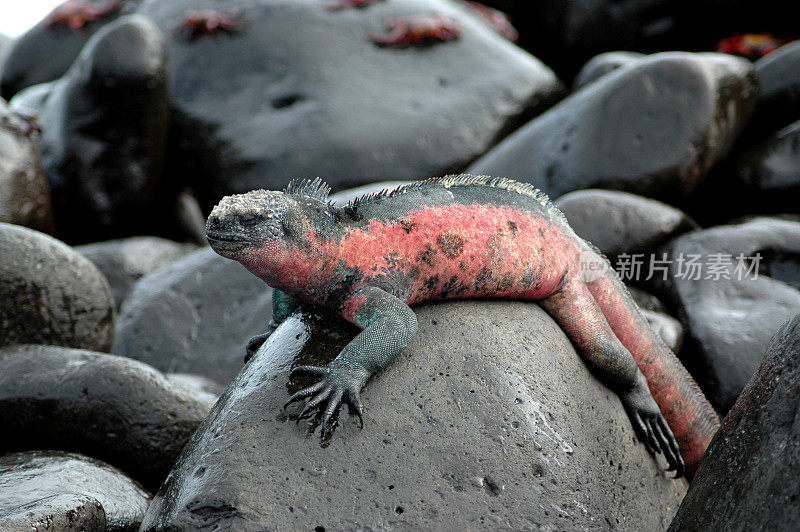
{"x": 452, "y": 246}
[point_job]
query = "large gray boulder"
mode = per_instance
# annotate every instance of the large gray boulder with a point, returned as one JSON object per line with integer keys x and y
{"x": 748, "y": 477}
{"x": 104, "y": 127}
{"x": 731, "y": 307}
{"x": 108, "y": 407}
{"x": 488, "y": 419}
{"x": 654, "y": 127}
{"x": 310, "y": 94}
{"x": 50, "y": 294}
{"x": 618, "y": 222}
{"x": 194, "y": 315}
{"x": 53, "y": 490}
{"x": 24, "y": 193}
{"x": 126, "y": 260}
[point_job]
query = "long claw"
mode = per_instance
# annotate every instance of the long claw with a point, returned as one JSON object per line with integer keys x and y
{"x": 641, "y": 430}
{"x": 305, "y": 392}
{"x": 355, "y": 402}
{"x": 662, "y": 442}
{"x": 651, "y": 438}
{"x": 333, "y": 406}
{"x": 313, "y": 402}
{"x": 307, "y": 370}
{"x": 638, "y": 426}
{"x": 679, "y": 465}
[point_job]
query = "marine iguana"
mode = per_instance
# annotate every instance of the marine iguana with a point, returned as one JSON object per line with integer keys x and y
{"x": 454, "y": 237}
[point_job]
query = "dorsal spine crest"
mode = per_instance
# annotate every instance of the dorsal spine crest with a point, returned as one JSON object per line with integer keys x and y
{"x": 316, "y": 189}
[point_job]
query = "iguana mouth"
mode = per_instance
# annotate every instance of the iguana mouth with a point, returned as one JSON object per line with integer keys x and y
{"x": 222, "y": 237}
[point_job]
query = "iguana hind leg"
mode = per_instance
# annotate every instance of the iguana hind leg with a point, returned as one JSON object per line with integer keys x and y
{"x": 575, "y": 309}
{"x": 684, "y": 406}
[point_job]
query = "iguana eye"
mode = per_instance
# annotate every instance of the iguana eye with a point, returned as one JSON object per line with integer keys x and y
{"x": 250, "y": 219}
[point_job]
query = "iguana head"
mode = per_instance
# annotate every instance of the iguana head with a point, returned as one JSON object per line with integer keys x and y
{"x": 253, "y": 225}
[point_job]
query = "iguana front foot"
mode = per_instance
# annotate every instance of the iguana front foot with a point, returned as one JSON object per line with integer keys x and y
{"x": 650, "y": 426}
{"x": 336, "y": 384}
{"x": 255, "y": 343}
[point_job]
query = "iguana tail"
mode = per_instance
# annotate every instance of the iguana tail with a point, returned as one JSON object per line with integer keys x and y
{"x": 687, "y": 411}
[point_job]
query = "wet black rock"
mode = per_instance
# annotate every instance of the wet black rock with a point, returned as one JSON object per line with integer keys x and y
{"x": 748, "y": 477}
{"x": 108, "y": 407}
{"x": 567, "y": 34}
{"x": 766, "y": 178}
{"x": 350, "y": 111}
{"x": 203, "y": 386}
{"x": 5, "y": 44}
{"x": 619, "y": 222}
{"x": 602, "y": 64}
{"x": 730, "y": 305}
{"x": 125, "y": 261}
{"x": 24, "y": 194}
{"x": 524, "y": 438}
{"x": 30, "y": 101}
{"x": 46, "y": 51}
{"x": 652, "y": 128}
{"x": 779, "y": 95}
{"x": 68, "y": 512}
{"x": 51, "y": 294}
{"x": 104, "y": 136}
{"x": 52, "y": 490}
{"x": 668, "y": 328}
{"x": 194, "y": 316}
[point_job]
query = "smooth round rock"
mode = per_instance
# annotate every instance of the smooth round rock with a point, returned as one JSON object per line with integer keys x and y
{"x": 766, "y": 178}
{"x": 50, "y": 294}
{"x": 731, "y": 315}
{"x": 668, "y": 328}
{"x": 652, "y": 128}
{"x": 602, "y": 64}
{"x": 105, "y": 166}
{"x": 5, "y": 44}
{"x": 30, "y": 100}
{"x": 59, "y": 513}
{"x": 24, "y": 193}
{"x": 352, "y": 112}
{"x": 46, "y": 51}
{"x": 567, "y": 34}
{"x": 125, "y": 261}
{"x": 112, "y": 408}
{"x": 619, "y": 222}
{"x": 203, "y": 386}
{"x": 505, "y": 429}
{"x": 779, "y": 94}
{"x": 194, "y": 316}
{"x": 53, "y": 490}
{"x": 748, "y": 477}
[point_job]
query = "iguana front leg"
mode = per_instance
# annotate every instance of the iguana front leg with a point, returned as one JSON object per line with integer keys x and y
{"x": 283, "y": 305}
{"x": 388, "y": 323}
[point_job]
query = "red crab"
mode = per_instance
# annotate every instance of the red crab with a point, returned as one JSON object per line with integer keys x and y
{"x": 76, "y": 13}
{"x": 418, "y": 29}
{"x": 208, "y": 22}
{"x": 499, "y": 20}
{"x": 343, "y": 4}
{"x": 750, "y": 45}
